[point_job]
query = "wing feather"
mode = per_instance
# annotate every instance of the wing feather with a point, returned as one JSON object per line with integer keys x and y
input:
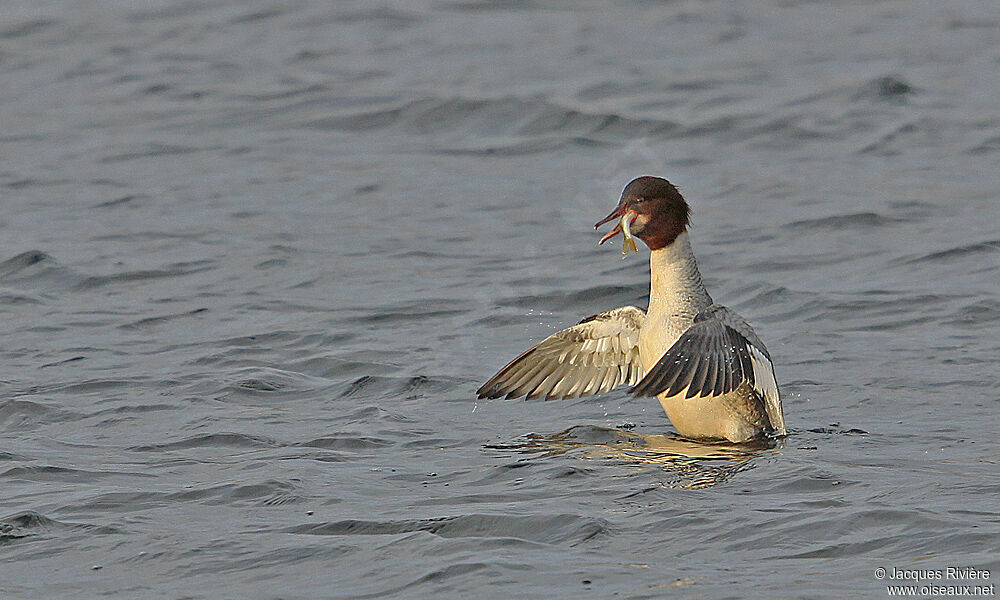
{"x": 592, "y": 357}
{"x": 529, "y": 383}
{"x": 717, "y": 354}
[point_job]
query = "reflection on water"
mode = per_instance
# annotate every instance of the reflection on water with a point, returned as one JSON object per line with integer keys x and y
{"x": 690, "y": 464}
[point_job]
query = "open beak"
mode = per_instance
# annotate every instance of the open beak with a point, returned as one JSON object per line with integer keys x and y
{"x": 617, "y": 213}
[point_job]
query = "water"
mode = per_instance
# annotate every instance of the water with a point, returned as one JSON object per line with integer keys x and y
{"x": 257, "y": 257}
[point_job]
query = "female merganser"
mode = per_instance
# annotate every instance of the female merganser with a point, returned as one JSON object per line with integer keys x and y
{"x": 709, "y": 370}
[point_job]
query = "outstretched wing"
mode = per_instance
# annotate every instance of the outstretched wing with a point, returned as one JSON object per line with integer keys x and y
{"x": 596, "y": 355}
{"x": 717, "y": 354}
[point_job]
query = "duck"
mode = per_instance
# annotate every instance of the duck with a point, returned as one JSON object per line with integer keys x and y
{"x": 711, "y": 373}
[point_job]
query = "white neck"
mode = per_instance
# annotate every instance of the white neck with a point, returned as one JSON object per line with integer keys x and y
{"x": 675, "y": 287}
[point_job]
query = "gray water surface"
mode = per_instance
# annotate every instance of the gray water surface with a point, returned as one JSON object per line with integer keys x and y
{"x": 256, "y": 258}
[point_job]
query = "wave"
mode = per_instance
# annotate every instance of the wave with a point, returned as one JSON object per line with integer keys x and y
{"x": 550, "y": 529}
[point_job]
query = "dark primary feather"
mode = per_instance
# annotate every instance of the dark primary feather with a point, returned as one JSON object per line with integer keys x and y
{"x": 712, "y": 358}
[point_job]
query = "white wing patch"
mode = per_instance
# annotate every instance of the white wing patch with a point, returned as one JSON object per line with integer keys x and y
{"x": 765, "y": 384}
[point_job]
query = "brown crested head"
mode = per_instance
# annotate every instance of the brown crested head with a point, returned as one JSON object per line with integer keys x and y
{"x": 661, "y": 213}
